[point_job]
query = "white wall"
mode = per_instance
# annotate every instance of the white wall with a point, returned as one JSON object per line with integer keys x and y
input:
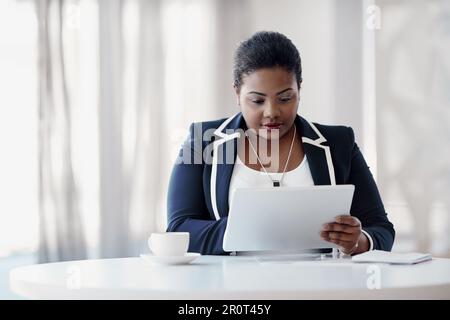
{"x": 310, "y": 25}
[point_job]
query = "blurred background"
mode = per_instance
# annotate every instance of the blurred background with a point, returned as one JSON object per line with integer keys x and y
{"x": 96, "y": 97}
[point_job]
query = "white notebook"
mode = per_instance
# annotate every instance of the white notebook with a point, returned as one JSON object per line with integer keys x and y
{"x": 378, "y": 256}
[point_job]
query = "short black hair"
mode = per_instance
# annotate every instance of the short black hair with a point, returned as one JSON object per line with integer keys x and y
{"x": 266, "y": 49}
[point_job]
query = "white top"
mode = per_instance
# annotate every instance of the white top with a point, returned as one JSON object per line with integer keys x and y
{"x": 245, "y": 177}
{"x": 225, "y": 277}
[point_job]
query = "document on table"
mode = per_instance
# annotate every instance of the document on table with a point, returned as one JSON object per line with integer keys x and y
{"x": 379, "y": 256}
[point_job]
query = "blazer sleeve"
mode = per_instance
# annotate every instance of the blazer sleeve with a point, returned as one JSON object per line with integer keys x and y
{"x": 187, "y": 211}
{"x": 367, "y": 205}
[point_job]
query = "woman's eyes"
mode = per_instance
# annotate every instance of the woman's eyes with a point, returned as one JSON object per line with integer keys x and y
{"x": 258, "y": 101}
{"x": 261, "y": 101}
{"x": 285, "y": 99}
{"x": 282, "y": 100}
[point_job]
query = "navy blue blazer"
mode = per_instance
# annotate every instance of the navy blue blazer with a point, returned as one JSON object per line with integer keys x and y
{"x": 199, "y": 183}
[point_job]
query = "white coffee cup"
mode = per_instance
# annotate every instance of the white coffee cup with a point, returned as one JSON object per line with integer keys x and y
{"x": 169, "y": 243}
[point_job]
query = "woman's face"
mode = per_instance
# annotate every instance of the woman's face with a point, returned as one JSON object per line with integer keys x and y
{"x": 269, "y": 99}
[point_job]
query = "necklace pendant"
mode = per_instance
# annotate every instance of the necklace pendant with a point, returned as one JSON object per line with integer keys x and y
{"x": 276, "y": 183}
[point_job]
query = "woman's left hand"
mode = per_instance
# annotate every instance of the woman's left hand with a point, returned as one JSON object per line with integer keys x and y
{"x": 346, "y": 232}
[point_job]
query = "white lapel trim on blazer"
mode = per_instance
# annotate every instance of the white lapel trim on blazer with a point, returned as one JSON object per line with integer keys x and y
{"x": 223, "y": 138}
{"x": 226, "y": 137}
{"x": 318, "y": 143}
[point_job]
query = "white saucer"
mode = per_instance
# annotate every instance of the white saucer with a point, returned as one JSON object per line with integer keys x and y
{"x": 170, "y": 260}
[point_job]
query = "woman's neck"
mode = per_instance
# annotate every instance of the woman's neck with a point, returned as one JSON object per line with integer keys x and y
{"x": 272, "y": 153}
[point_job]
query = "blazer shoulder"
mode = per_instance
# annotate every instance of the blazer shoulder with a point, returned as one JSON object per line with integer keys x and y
{"x": 202, "y": 133}
{"x": 337, "y": 134}
{"x": 211, "y": 124}
{"x": 204, "y": 130}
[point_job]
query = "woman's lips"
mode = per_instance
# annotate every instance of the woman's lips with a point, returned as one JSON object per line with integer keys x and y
{"x": 272, "y": 126}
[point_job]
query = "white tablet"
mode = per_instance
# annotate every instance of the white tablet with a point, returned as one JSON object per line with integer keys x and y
{"x": 284, "y": 218}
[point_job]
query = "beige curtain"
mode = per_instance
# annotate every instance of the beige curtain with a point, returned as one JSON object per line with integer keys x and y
{"x": 61, "y": 230}
{"x": 121, "y": 80}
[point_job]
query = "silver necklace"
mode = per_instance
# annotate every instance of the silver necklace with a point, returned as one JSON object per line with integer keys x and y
{"x": 276, "y": 183}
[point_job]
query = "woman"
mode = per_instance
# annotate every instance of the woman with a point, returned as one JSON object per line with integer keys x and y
{"x": 218, "y": 156}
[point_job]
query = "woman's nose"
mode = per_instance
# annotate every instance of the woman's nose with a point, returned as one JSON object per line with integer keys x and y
{"x": 271, "y": 111}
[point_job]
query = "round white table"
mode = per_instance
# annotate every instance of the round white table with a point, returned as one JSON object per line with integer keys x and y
{"x": 232, "y": 277}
